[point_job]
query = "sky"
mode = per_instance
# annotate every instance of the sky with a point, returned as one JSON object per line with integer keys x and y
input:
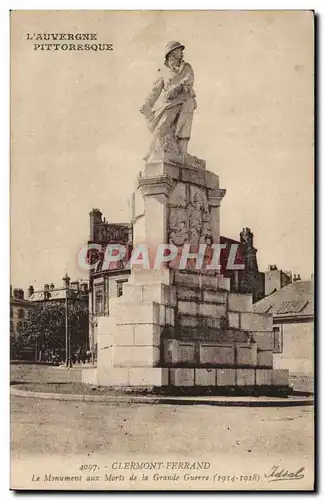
{"x": 78, "y": 139}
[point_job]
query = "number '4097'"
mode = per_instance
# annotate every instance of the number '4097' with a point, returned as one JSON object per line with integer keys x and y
{"x": 89, "y": 467}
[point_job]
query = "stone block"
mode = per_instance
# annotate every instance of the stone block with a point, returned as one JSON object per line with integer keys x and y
{"x": 147, "y": 334}
{"x": 280, "y": 377}
{"x": 105, "y": 350}
{"x": 210, "y": 322}
{"x": 189, "y": 293}
{"x": 265, "y": 358}
{"x": 212, "y": 180}
{"x": 219, "y": 310}
{"x": 240, "y": 302}
{"x": 207, "y": 310}
{"x": 190, "y": 280}
{"x": 162, "y": 315}
{"x": 160, "y": 293}
{"x": 162, "y": 168}
{"x": 147, "y": 377}
{"x": 225, "y": 377}
{"x": 124, "y": 335}
{"x": 205, "y": 376}
{"x": 182, "y": 377}
{"x": 213, "y": 310}
{"x": 116, "y": 377}
{"x": 256, "y": 321}
{"x": 233, "y": 319}
{"x": 223, "y": 283}
{"x": 217, "y": 354}
{"x": 186, "y": 353}
{"x": 214, "y": 296}
{"x": 129, "y": 313}
{"x": 264, "y": 340}
{"x": 172, "y": 296}
{"x": 89, "y": 376}
{"x": 263, "y": 377}
{"x": 132, "y": 292}
{"x": 246, "y": 354}
{"x": 191, "y": 321}
{"x": 105, "y": 324}
{"x": 193, "y": 176}
{"x": 169, "y": 316}
{"x": 209, "y": 281}
{"x": 136, "y": 356}
{"x": 142, "y": 276}
{"x": 170, "y": 350}
{"x": 245, "y": 376}
{"x": 187, "y": 307}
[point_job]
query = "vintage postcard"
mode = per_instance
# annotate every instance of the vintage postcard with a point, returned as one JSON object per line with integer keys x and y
{"x": 162, "y": 282}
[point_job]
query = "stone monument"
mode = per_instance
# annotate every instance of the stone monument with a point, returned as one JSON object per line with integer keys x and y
{"x": 180, "y": 327}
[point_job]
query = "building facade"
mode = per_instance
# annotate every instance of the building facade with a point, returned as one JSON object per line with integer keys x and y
{"x": 293, "y": 326}
{"x": 19, "y": 308}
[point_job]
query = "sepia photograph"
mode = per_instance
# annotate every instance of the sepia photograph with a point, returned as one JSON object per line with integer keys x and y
{"x": 162, "y": 250}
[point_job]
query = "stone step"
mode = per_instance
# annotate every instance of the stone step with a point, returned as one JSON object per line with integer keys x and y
{"x": 190, "y": 377}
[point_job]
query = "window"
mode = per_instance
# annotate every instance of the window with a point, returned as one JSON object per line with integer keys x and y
{"x": 120, "y": 285}
{"x": 277, "y": 340}
{"x": 99, "y": 300}
{"x": 21, "y": 314}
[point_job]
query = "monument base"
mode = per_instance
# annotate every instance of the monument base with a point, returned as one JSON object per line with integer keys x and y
{"x": 215, "y": 380}
{"x": 193, "y": 333}
{"x": 177, "y": 327}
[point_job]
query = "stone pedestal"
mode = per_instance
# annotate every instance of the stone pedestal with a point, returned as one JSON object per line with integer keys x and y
{"x": 181, "y": 327}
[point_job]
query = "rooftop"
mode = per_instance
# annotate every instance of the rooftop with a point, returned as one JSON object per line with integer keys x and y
{"x": 295, "y": 299}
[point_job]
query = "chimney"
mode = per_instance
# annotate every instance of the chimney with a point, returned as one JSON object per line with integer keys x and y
{"x": 21, "y": 294}
{"x": 16, "y": 293}
{"x": 84, "y": 287}
{"x": 46, "y": 291}
{"x": 75, "y": 286}
{"x": 30, "y": 290}
{"x": 297, "y": 277}
{"x": 52, "y": 286}
{"x": 95, "y": 219}
{"x": 66, "y": 281}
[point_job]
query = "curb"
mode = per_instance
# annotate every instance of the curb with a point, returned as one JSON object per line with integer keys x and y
{"x": 179, "y": 400}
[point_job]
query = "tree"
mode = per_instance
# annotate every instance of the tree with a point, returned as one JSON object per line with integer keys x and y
{"x": 44, "y": 326}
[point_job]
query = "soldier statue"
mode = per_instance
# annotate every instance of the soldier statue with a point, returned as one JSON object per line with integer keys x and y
{"x": 171, "y": 122}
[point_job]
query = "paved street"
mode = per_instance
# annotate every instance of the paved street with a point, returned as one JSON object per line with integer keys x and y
{"x": 60, "y": 427}
{"x": 46, "y": 433}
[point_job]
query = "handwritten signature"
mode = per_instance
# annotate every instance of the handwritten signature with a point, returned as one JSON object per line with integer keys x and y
{"x": 281, "y": 474}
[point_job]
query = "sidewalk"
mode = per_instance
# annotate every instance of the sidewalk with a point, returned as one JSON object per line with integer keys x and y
{"x": 113, "y": 396}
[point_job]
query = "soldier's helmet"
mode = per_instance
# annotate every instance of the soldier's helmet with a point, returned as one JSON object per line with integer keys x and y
{"x": 171, "y": 46}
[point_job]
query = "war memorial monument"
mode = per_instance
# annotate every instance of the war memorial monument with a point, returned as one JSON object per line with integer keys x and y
{"x": 180, "y": 327}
